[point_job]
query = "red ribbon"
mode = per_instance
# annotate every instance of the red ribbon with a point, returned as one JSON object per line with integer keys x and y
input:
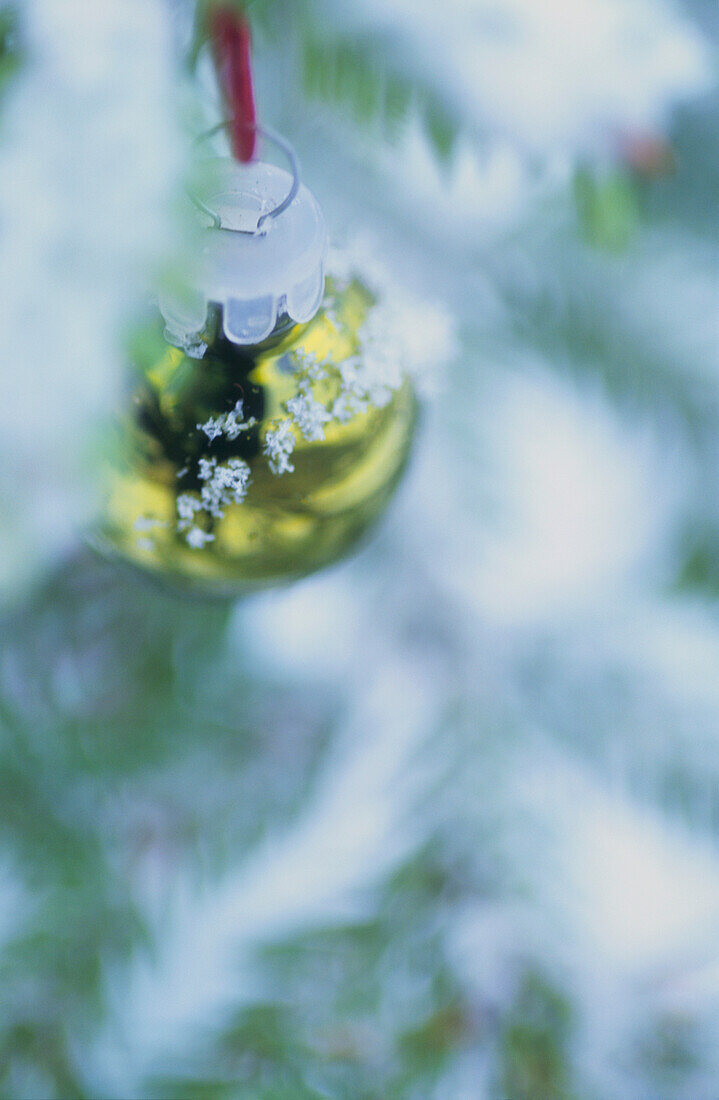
{"x": 230, "y": 38}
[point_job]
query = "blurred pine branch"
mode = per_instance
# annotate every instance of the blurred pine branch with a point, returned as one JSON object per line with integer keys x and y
{"x": 357, "y": 74}
{"x": 11, "y": 54}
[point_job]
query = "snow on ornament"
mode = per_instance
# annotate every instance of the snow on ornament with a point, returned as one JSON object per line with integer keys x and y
{"x": 268, "y": 429}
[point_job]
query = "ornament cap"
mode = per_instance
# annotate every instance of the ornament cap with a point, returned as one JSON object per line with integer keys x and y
{"x": 260, "y": 261}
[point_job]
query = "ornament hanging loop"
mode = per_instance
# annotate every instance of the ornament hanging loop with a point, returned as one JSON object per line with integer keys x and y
{"x": 286, "y": 148}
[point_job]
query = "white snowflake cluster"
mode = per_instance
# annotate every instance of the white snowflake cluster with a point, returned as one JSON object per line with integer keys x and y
{"x": 352, "y": 399}
{"x": 401, "y": 336}
{"x": 144, "y": 525}
{"x": 224, "y": 483}
{"x": 309, "y": 365}
{"x": 309, "y": 415}
{"x": 358, "y": 258}
{"x": 305, "y": 413}
{"x": 279, "y": 445}
{"x": 187, "y": 506}
{"x": 213, "y": 427}
{"x": 196, "y": 538}
{"x": 229, "y": 424}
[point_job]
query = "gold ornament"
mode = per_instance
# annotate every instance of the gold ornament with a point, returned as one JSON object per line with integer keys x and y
{"x": 257, "y": 464}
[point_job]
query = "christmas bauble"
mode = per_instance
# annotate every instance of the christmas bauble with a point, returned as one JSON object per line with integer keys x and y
{"x": 267, "y": 426}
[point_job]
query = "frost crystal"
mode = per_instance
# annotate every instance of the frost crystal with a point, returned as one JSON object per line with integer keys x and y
{"x": 233, "y": 421}
{"x": 213, "y": 427}
{"x": 279, "y": 445}
{"x": 224, "y": 484}
{"x": 347, "y": 406}
{"x": 228, "y": 424}
{"x": 309, "y": 365}
{"x": 400, "y": 336}
{"x": 146, "y": 523}
{"x": 206, "y": 468}
{"x": 187, "y": 505}
{"x": 234, "y": 478}
{"x": 196, "y": 538}
{"x": 212, "y": 500}
{"x": 309, "y": 415}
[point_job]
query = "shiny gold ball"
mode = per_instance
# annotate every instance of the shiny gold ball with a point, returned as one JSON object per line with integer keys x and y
{"x": 250, "y": 467}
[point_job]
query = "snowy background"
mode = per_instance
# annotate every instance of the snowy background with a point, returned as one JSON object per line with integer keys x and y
{"x": 440, "y": 823}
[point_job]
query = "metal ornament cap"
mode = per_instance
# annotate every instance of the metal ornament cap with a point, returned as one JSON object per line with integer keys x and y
{"x": 261, "y": 258}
